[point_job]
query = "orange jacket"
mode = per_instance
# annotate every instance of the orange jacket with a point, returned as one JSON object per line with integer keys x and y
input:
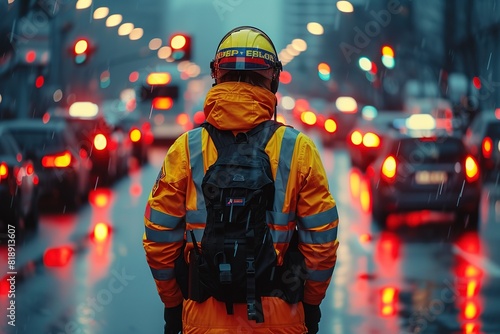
{"x": 303, "y": 200}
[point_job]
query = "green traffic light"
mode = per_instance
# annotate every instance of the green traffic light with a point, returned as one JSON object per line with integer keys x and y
{"x": 80, "y": 59}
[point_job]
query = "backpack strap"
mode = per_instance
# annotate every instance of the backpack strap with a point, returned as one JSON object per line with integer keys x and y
{"x": 221, "y": 138}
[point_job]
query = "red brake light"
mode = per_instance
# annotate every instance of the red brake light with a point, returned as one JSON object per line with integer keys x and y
{"x": 370, "y": 139}
{"x": 100, "y": 142}
{"x": 487, "y": 147}
{"x": 135, "y": 135}
{"x": 57, "y": 257}
{"x": 29, "y": 169}
{"x": 163, "y": 103}
{"x": 471, "y": 169}
{"x": 57, "y": 160}
{"x": 4, "y": 170}
{"x": 389, "y": 168}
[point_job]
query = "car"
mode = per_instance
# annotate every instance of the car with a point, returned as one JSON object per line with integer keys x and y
{"x": 365, "y": 140}
{"x": 425, "y": 172}
{"x": 18, "y": 187}
{"x": 482, "y": 138}
{"x": 108, "y": 148}
{"x": 163, "y": 98}
{"x": 130, "y": 120}
{"x": 337, "y": 121}
{"x": 62, "y": 168}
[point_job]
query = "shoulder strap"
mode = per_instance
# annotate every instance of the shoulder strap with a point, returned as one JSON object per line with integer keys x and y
{"x": 224, "y": 138}
{"x": 221, "y": 138}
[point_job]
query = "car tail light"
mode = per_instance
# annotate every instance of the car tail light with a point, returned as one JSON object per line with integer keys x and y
{"x": 4, "y": 170}
{"x": 356, "y": 138}
{"x": 100, "y": 142}
{"x": 57, "y": 257}
{"x": 162, "y": 103}
{"x": 371, "y": 140}
{"x": 487, "y": 147}
{"x": 29, "y": 169}
{"x": 60, "y": 160}
{"x": 135, "y": 135}
{"x": 471, "y": 169}
{"x": 389, "y": 168}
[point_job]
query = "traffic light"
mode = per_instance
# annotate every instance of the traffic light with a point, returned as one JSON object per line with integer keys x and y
{"x": 388, "y": 56}
{"x": 181, "y": 46}
{"x": 82, "y": 50}
{"x": 324, "y": 71}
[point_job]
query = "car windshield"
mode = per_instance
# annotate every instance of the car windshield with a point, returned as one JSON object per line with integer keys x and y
{"x": 441, "y": 150}
{"x": 32, "y": 140}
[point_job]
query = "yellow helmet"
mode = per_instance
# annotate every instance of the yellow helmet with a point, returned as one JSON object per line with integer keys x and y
{"x": 246, "y": 48}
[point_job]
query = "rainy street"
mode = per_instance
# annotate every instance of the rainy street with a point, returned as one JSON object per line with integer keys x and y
{"x": 419, "y": 275}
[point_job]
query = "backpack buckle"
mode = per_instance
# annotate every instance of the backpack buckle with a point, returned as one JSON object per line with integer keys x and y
{"x": 225, "y": 276}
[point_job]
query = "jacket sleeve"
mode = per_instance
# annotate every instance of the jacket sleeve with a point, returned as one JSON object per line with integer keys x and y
{"x": 317, "y": 221}
{"x": 164, "y": 221}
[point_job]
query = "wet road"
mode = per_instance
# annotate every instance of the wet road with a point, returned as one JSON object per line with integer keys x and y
{"x": 419, "y": 276}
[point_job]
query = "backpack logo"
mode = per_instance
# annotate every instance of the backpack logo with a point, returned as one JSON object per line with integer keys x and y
{"x": 235, "y": 201}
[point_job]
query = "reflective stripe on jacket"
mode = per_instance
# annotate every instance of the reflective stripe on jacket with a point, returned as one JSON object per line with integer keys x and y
{"x": 302, "y": 199}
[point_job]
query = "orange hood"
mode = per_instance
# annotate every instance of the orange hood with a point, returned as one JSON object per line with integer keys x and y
{"x": 238, "y": 106}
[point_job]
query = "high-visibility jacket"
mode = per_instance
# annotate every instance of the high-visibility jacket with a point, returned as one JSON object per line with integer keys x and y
{"x": 302, "y": 200}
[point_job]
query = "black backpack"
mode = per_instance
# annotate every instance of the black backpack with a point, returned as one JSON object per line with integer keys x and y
{"x": 237, "y": 259}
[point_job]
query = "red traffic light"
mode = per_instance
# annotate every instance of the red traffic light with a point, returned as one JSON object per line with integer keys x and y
{"x": 81, "y": 50}
{"x": 81, "y": 46}
{"x": 181, "y": 46}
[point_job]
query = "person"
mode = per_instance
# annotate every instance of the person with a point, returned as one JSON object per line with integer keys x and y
{"x": 246, "y": 70}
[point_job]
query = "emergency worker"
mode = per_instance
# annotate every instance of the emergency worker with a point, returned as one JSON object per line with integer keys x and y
{"x": 246, "y": 70}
